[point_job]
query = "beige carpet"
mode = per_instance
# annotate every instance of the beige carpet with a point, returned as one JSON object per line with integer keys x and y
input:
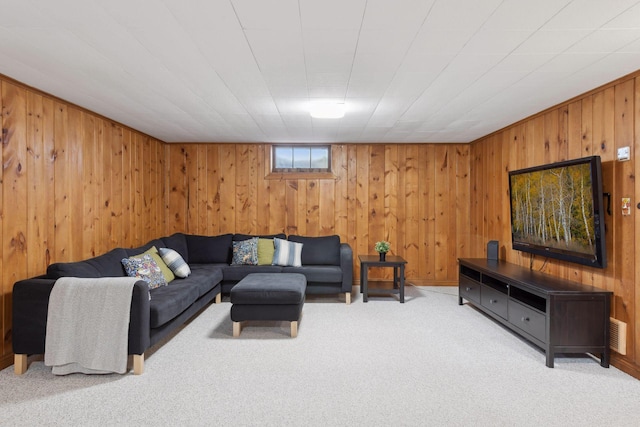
{"x": 425, "y": 362}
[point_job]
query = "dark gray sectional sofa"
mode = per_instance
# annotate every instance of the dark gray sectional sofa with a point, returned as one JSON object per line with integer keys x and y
{"x": 326, "y": 263}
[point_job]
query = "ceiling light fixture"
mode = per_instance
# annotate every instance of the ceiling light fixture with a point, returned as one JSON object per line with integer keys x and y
{"x": 327, "y": 110}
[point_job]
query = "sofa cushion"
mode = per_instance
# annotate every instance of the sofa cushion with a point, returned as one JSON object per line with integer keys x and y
{"x": 175, "y": 262}
{"x": 323, "y": 250}
{"x": 144, "y": 268}
{"x": 209, "y": 250}
{"x": 240, "y": 237}
{"x": 287, "y": 253}
{"x": 318, "y": 273}
{"x": 203, "y": 276}
{"x": 177, "y": 242}
{"x": 245, "y": 252}
{"x": 167, "y": 302}
{"x": 106, "y": 265}
{"x": 234, "y": 273}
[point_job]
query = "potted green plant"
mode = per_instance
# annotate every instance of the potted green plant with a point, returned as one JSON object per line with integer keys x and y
{"x": 382, "y": 247}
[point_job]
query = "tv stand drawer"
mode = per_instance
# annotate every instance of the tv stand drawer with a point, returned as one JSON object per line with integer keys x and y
{"x": 469, "y": 289}
{"x": 495, "y": 301}
{"x": 530, "y": 321}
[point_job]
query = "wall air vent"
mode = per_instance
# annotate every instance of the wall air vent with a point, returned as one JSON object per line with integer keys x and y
{"x": 618, "y": 336}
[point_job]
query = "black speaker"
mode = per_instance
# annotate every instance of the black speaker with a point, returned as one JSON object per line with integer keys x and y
{"x": 492, "y": 250}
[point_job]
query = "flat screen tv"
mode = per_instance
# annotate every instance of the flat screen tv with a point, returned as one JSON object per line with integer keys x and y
{"x": 557, "y": 211}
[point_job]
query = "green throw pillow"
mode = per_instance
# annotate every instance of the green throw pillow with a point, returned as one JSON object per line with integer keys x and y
{"x": 265, "y": 251}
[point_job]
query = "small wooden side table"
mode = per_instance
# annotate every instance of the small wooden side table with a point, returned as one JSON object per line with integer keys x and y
{"x": 398, "y": 263}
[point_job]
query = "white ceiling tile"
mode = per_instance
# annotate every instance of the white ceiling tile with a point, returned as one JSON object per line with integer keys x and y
{"x": 398, "y": 15}
{"x": 524, "y": 15}
{"x": 332, "y": 14}
{"x": 324, "y": 92}
{"x": 279, "y": 15}
{"x": 603, "y": 41}
{"x": 440, "y": 42}
{"x": 460, "y": 14}
{"x": 551, "y": 41}
{"x": 329, "y": 51}
{"x": 522, "y": 63}
{"x": 633, "y": 47}
{"x": 408, "y": 85}
{"x": 495, "y": 42}
{"x": 630, "y": 18}
{"x": 588, "y": 14}
{"x": 277, "y": 50}
{"x": 568, "y": 63}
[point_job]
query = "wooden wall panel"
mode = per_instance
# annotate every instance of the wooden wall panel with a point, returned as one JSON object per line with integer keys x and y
{"x": 431, "y": 203}
{"x": 462, "y": 192}
{"x": 624, "y": 226}
{"x": 64, "y": 187}
{"x": 596, "y": 123}
{"x": 362, "y": 202}
{"x": 14, "y": 200}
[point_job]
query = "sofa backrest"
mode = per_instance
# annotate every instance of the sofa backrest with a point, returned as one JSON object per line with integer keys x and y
{"x": 158, "y": 243}
{"x": 241, "y": 237}
{"x": 177, "y": 242}
{"x": 106, "y": 265}
{"x": 209, "y": 249}
{"x": 324, "y": 250}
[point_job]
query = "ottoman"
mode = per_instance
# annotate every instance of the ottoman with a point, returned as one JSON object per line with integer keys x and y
{"x": 268, "y": 296}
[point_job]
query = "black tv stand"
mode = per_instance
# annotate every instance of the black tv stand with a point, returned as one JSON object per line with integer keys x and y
{"x": 557, "y": 315}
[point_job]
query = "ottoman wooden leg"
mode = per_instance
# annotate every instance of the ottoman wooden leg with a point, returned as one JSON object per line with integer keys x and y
{"x": 294, "y": 329}
{"x": 347, "y": 297}
{"x": 237, "y": 327}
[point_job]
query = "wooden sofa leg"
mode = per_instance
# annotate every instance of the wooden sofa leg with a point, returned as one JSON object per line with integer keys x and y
{"x": 138, "y": 364}
{"x": 20, "y": 364}
{"x": 237, "y": 327}
{"x": 219, "y": 298}
{"x": 294, "y": 329}
{"x": 347, "y": 297}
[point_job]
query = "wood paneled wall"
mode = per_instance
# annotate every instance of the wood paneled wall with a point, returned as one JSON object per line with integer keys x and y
{"x": 73, "y": 185}
{"x": 415, "y": 196}
{"x": 597, "y": 123}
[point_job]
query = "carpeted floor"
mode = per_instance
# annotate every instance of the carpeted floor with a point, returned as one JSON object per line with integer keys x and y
{"x": 426, "y": 362}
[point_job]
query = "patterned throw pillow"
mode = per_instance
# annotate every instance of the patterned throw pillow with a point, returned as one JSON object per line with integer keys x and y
{"x": 166, "y": 271}
{"x": 144, "y": 268}
{"x": 287, "y": 253}
{"x": 175, "y": 262}
{"x": 245, "y": 252}
{"x": 265, "y": 251}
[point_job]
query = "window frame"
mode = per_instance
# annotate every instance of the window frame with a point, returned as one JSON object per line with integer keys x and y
{"x": 299, "y": 173}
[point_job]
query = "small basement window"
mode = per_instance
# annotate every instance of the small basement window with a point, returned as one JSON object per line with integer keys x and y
{"x": 301, "y": 159}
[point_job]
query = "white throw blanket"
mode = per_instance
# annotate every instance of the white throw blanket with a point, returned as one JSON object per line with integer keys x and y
{"x": 88, "y": 325}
